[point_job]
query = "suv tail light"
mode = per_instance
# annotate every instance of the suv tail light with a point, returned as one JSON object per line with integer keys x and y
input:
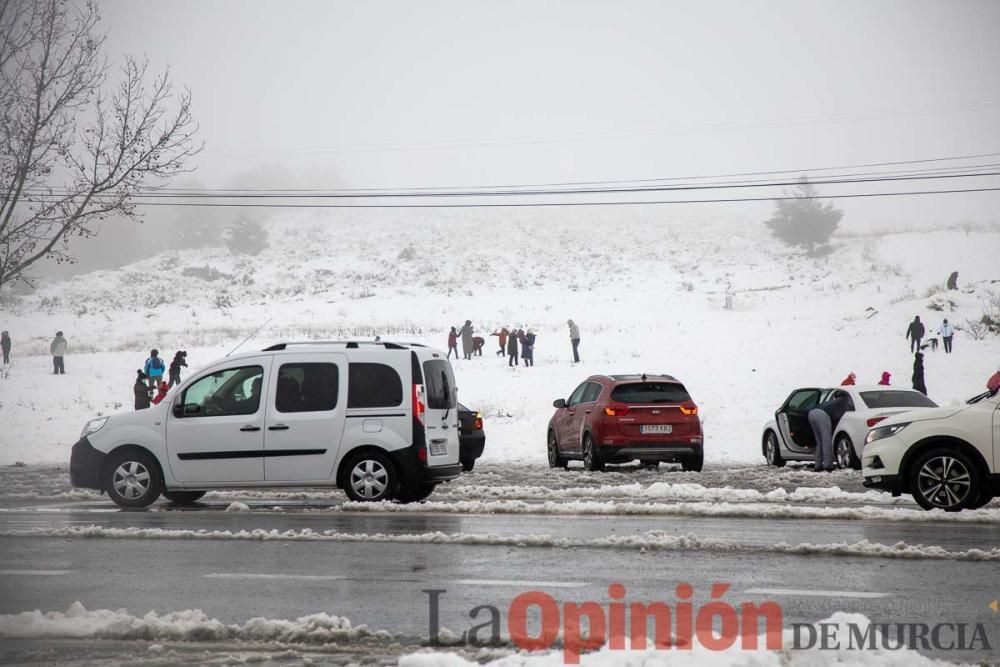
{"x": 874, "y": 420}
{"x": 478, "y": 424}
{"x": 688, "y": 408}
{"x": 419, "y": 407}
{"x": 617, "y": 411}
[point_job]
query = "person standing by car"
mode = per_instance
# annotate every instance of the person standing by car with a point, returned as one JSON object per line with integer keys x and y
{"x": 918, "y": 373}
{"x": 823, "y": 420}
{"x": 141, "y": 391}
{"x": 915, "y": 332}
{"x": 5, "y": 347}
{"x": 467, "y": 344}
{"x": 512, "y": 349}
{"x": 947, "y": 332}
{"x": 574, "y": 338}
{"x": 453, "y": 342}
{"x": 154, "y": 368}
{"x": 57, "y": 348}
{"x": 180, "y": 359}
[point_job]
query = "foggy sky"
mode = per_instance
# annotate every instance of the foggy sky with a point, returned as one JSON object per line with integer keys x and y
{"x": 403, "y": 93}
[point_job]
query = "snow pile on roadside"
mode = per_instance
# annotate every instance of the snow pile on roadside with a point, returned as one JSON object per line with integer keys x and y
{"x": 188, "y": 625}
{"x": 653, "y": 540}
{"x": 699, "y": 656}
{"x": 238, "y": 507}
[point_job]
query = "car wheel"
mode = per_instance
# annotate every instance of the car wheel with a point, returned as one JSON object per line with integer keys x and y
{"x": 183, "y": 497}
{"x": 772, "y": 452}
{"x": 407, "y": 495}
{"x": 985, "y": 497}
{"x": 591, "y": 456}
{"x": 844, "y": 453}
{"x": 945, "y": 479}
{"x": 555, "y": 460}
{"x": 132, "y": 479}
{"x": 693, "y": 463}
{"x": 468, "y": 464}
{"x": 370, "y": 477}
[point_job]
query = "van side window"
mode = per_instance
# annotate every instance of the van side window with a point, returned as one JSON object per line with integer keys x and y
{"x": 234, "y": 391}
{"x": 306, "y": 387}
{"x": 373, "y": 386}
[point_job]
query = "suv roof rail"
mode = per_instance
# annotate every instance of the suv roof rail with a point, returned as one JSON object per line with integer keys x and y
{"x": 349, "y": 344}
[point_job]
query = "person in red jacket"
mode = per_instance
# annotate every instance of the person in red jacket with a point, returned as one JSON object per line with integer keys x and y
{"x": 993, "y": 384}
{"x": 161, "y": 393}
{"x": 886, "y": 376}
{"x": 453, "y": 342}
{"x": 849, "y": 380}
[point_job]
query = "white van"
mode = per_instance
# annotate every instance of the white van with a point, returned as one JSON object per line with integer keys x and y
{"x": 378, "y": 420}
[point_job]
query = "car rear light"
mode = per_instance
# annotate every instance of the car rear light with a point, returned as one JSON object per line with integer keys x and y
{"x": 419, "y": 407}
{"x": 479, "y": 421}
{"x": 874, "y": 420}
{"x": 688, "y": 408}
{"x": 422, "y": 454}
{"x": 617, "y": 411}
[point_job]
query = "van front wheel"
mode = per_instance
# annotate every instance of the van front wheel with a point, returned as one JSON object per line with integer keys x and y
{"x": 370, "y": 477}
{"x": 132, "y": 479}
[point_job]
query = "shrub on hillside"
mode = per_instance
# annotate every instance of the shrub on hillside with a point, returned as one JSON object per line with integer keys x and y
{"x": 804, "y": 220}
{"x": 246, "y": 237}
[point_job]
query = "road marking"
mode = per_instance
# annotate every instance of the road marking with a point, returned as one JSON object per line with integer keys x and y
{"x": 35, "y": 573}
{"x": 812, "y": 593}
{"x": 252, "y": 575}
{"x": 520, "y": 584}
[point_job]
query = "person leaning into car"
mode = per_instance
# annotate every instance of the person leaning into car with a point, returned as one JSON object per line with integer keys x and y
{"x": 824, "y": 419}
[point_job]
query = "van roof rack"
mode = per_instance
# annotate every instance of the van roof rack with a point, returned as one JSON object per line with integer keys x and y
{"x": 349, "y": 344}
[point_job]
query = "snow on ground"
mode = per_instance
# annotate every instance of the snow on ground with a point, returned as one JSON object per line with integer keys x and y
{"x": 648, "y": 293}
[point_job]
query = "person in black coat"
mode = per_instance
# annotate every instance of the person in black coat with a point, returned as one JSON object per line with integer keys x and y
{"x": 915, "y": 332}
{"x": 180, "y": 359}
{"x": 918, "y": 373}
{"x": 824, "y": 419}
{"x": 512, "y": 349}
{"x": 141, "y": 390}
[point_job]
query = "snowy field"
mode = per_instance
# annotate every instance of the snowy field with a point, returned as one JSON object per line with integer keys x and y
{"x": 646, "y": 301}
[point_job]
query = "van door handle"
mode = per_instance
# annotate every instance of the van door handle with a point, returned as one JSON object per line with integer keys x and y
{"x": 278, "y": 427}
{"x": 250, "y": 427}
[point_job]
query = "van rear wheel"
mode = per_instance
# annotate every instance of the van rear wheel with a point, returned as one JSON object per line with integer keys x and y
{"x": 370, "y": 477}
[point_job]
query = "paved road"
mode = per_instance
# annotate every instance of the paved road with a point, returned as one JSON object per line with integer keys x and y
{"x": 381, "y": 584}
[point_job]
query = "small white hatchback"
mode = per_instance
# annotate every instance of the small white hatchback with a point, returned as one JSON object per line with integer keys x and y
{"x": 378, "y": 420}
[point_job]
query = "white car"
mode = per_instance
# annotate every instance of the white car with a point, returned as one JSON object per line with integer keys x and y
{"x": 788, "y": 437}
{"x": 946, "y": 458}
{"x": 379, "y": 420}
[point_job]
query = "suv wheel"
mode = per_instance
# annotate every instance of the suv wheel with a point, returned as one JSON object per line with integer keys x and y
{"x": 555, "y": 460}
{"x": 591, "y": 455}
{"x": 945, "y": 479}
{"x": 844, "y": 453}
{"x": 693, "y": 463}
{"x": 132, "y": 479}
{"x": 772, "y": 453}
{"x": 183, "y": 497}
{"x": 370, "y": 477}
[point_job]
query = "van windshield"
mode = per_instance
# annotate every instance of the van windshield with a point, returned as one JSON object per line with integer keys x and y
{"x": 439, "y": 385}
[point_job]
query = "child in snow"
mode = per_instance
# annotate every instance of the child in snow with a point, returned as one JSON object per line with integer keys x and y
{"x": 849, "y": 380}
{"x": 886, "y": 376}
{"x": 180, "y": 359}
{"x": 161, "y": 394}
{"x": 502, "y": 334}
{"x": 453, "y": 342}
{"x": 993, "y": 384}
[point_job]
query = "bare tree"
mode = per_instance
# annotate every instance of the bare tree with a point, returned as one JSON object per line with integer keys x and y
{"x": 71, "y": 153}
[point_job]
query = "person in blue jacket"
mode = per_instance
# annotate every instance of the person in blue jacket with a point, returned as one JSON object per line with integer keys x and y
{"x": 154, "y": 368}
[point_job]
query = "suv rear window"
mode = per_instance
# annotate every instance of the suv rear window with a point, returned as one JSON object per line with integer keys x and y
{"x": 896, "y": 399}
{"x": 439, "y": 385}
{"x": 650, "y": 392}
{"x": 373, "y": 386}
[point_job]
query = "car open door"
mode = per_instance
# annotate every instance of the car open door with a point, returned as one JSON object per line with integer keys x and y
{"x": 793, "y": 419}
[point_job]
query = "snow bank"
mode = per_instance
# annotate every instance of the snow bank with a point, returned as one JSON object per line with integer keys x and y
{"x": 654, "y": 540}
{"x": 699, "y": 656}
{"x": 189, "y": 625}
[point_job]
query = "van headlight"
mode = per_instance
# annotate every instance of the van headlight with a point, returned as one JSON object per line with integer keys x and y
{"x": 884, "y": 432}
{"x": 93, "y": 426}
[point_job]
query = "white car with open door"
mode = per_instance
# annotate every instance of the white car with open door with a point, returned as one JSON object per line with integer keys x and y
{"x": 788, "y": 436}
{"x": 378, "y": 420}
{"x": 946, "y": 458}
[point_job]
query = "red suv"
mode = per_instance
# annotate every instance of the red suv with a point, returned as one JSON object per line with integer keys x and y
{"x": 622, "y": 418}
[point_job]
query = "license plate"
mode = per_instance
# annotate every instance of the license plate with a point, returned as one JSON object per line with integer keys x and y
{"x": 439, "y": 448}
{"x": 656, "y": 428}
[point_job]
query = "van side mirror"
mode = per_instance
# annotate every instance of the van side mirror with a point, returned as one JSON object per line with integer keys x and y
{"x": 559, "y": 403}
{"x": 185, "y": 410}
{"x": 178, "y": 409}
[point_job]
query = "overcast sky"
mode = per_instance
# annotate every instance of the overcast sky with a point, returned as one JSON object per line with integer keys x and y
{"x": 404, "y": 93}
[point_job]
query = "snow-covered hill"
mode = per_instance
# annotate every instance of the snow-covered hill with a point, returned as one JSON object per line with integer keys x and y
{"x": 648, "y": 291}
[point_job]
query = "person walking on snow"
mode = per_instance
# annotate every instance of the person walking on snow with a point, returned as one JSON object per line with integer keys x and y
{"x": 154, "y": 368}
{"x": 161, "y": 393}
{"x": 824, "y": 419}
{"x": 5, "y": 347}
{"x": 180, "y": 359}
{"x": 141, "y": 391}
{"x": 453, "y": 342}
{"x": 466, "y": 334}
{"x": 915, "y": 332}
{"x": 947, "y": 332}
{"x": 57, "y": 348}
{"x": 849, "y": 380}
{"x": 574, "y": 338}
{"x": 512, "y": 349}
{"x": 886, "y": 376}
{"x": 918, "y": 373}
{"x": 528, "y": 348}
{"x": 502, "y": 335}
